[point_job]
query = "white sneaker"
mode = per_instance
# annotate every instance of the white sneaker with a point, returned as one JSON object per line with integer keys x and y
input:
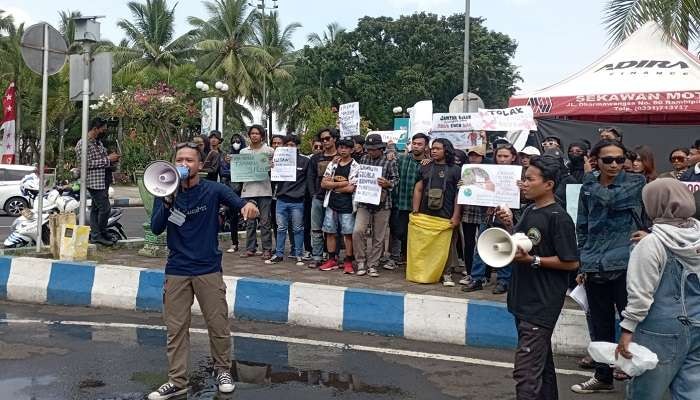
{"x": 447, "y": 280}
{"x": 225, "y": 382}
{"x": 232, "y": 249}
{"x": 466, "y": 280}
{"x": 300, "y": 262}
{"x": 361, "y": 269}
{"x": 373, "y": 272}
{"x": 167, "y": 391}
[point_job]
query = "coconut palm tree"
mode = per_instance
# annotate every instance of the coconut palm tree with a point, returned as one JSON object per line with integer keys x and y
{"x": 680, "y": 19}
{"x": 6, "y": 21}
{"x": 150, "y": 38}
{"x": 333, "y": 30}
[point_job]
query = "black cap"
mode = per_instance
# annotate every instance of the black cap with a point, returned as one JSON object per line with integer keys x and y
{"x": 556, "y": 138}
{"x": 347, "y": 142}
{"x": 215, "y": 133}
{"x": 374, "y": 141}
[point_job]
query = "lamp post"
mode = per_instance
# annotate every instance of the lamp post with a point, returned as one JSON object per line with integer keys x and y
{"x": 217, "y": 108}
{"x": 265, "y": 118}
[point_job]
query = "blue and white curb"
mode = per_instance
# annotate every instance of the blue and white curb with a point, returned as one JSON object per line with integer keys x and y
{"x": 411, "y": 316}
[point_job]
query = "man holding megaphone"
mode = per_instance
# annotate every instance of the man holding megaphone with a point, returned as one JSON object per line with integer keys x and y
{"x": 188, "y": 208}
{"x": 540, "y": 276}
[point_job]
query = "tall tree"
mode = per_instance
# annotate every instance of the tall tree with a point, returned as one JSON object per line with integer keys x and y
{"x": 333, "y": 30}
{"x": 6, "y": 21}
{"x": 680, "y": 19}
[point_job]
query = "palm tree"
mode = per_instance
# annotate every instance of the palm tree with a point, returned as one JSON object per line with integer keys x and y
{"x": 6, "y": 21}
{"x": 150, "y": 38}
{"x": 224, "y": 45}
{"x": 680, "y": 19}
{"x": 333, "y": 30}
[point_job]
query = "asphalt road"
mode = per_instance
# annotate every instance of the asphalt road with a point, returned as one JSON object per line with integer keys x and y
{"x": 49, "y": 352}
{"x": 132, "y": 220}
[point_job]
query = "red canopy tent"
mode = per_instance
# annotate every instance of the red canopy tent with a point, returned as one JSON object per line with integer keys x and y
{"x": 646, "y": 79}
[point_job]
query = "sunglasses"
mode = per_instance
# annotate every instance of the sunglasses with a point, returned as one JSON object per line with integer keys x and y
{"x": 609, "y": 160}
{"x": 326, "y": 139}
{"x": 318, "y": 147}
{"x": 190, "y": 145}
{"x": 678, "y": 159}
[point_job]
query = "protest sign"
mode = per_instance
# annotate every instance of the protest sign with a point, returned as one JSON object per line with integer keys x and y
{"x": 572, "y": 193}
{"x": 490, "y": 185}
{"x": 250, "y": 167}
{"x": 460, "y": 140}
{"x": 368, "y": 190}
{"x": 421, "y": 117}
{"x": 693, "y": 186}
{"x": 508, "y": 119}
{"x": 349, "y": 119}
{"x": 284, "y": 164}
{"x": 388, "y": 136}
{"x": 457, "y": 122}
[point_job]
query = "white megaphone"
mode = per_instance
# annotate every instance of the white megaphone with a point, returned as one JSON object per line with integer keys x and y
{"x": 162, "y": 178}
{"x": 497, "y": 247}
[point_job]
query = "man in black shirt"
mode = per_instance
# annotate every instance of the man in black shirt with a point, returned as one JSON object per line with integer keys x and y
{"x": 540, "y": 279}
{"x": 317, "y": 167}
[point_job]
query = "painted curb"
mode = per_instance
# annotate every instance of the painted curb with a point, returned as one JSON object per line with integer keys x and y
{"x": 412, "y": 316}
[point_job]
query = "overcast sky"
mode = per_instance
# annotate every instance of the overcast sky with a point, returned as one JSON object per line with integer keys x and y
{"x": 555, "y": 37}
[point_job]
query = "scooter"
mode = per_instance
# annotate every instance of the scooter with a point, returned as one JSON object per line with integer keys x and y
{"x": 24, "y": 227}
{"x": 114, "y": 227}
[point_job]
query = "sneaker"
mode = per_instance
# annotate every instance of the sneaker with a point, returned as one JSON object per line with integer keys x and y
{"x": 225, "y": 382}
{"x": 473, "y": 286}
{"x": 361, "y": 269}
{"x": 274, "y": 260}
{"x": 166, "y": 391}
{"x": 347, "y": 268}
{"x": 389, "y": 265}
{"x": 466, "y": 280}
{"x": 248, "y": 254}
{"x": 300, "y": 262}
{"x": 232, "y": 249}
{"x": 314, "y": 265}
{"x": 373, "y": 272}
{"x": 258, "y": 253}
{"x": 592, "y": 385}
{"x": 329, "y": 265}
{"x": 307, "y": 256}
{"x": 500, "y": 288}
{"x": 447, "y": 280}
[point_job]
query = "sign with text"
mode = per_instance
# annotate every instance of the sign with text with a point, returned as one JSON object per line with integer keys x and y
{"x": 250, "y": 167}
{"x": 460, "y": 140}
{"x": 508, "y": 119}
{"x": 349, "y": 119}
{"x": 457, "y": 122}
{"x": 284, "y": 164}
{"x": 490, "y": 185}
{"x": 388, "y": 136}
{"x": 368, "y": 190}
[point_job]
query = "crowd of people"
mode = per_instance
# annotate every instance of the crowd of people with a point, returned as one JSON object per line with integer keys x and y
{"x": 635, "y": 239}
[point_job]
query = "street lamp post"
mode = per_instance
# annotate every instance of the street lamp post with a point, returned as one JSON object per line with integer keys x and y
{"x": 466, "y": 56}
{"x": 218, "y": 118}
{"x": 265, "y": 118}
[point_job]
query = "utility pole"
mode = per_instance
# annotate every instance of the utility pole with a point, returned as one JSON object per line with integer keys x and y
{"x": 466, "y": 56}
{"x": 266, "y": 117}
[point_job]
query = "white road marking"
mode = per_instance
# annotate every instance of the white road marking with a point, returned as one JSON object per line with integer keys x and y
{"x": 310, "y": 342}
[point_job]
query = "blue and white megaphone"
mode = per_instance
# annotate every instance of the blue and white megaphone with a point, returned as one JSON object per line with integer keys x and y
{"x": 162, "y": 178}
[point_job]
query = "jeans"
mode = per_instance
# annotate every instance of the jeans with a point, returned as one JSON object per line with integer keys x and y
{"x": 251, "y": 242}
{"x": 534, "y": 374}
{"x": 318, "y": 213}
{"x": 99, "y": 213}
{"x": 290, "y": 214}
{"x": 672, "y": 331}
{"x": 479, "y": 267}
{"x": 605, "y": 298}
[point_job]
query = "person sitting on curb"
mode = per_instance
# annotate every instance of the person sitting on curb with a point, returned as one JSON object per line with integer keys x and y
{"x": 191, "y": 219}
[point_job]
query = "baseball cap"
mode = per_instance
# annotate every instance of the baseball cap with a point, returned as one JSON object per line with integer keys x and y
{"x": 374, "y": 141}
{"x": 215, "y": 133}
{"x": 480, "y": 150}
{"x": 530, "y": 151}
{"x": 554, "y": 137}
{"x": 346, "y": 142}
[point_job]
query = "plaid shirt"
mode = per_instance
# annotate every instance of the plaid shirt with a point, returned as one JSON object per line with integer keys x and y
{"x": 473, "y": 214}
{"x": 389, "y": 172}
{"x": 409, "y": 174}
{"x": 97, "y": 164}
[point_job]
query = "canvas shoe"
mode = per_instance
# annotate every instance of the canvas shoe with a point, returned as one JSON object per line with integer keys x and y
{"x": 274, "y": 260}
{"x": 592, "y": 385}
{"x": 166, "y": 391}
{"x": 225, "y": 382}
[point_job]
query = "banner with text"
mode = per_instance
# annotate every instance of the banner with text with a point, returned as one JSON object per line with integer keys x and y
{"x": 508, "y": 119}
{"x": 368, "y": 190}
{"x": 457, "y": 122}
{"x": 250, "y": 167}
{"x": 490, "y": 185}
{"x": 388, "y": 136}
{"x": 284, "y": 164}
{"x": 460, "y": 140}
{"x": 349, "y": 119}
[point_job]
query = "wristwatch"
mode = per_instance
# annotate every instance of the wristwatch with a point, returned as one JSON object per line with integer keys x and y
{"x": 536, "y": 262}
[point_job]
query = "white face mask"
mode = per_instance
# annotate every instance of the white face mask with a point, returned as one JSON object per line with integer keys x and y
{"x": 236, "y": 146}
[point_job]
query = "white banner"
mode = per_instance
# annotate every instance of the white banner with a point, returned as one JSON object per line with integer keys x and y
{"x": 421, "y": 117}
{"x": 349, "y": 119}
{"x": 284, "y": 163}
{"x": 457, "y": 122}
{"x": 388, "y": 136}
{"x": 490, "y": 185}
{"x": 572, "y": 192}
{"x": 460, "y": 140}
{"x": 368, "y": 190}
{"x": 508, "y": 119}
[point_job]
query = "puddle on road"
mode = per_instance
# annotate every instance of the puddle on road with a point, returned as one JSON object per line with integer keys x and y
{"x": 24, "y": 388}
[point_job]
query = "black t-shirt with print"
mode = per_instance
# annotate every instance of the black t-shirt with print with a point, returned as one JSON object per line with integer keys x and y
{"x": 441, "y": 173}
{"x": 341, "y": 202}
{"x": 537, "y": 295}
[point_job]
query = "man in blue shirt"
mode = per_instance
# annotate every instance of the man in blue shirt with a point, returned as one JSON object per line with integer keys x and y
{"x": 194, "y": 269}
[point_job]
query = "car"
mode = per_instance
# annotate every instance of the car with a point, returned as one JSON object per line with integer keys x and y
{"x": 11, "y": 199}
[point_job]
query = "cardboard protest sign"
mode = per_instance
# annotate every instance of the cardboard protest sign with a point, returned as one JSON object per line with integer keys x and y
{"x": 250, "y": 167}
{"x": 284, "y": 164}
{"x": 349, "y": 119}
{"x": 388, "y": 136}
{"x": 460, "y": 140}
{"x": 456, "y": 122}
{"x": 508, "y": 119}
{"x": 368, "y": 190}
{"x": 490, "y": 185}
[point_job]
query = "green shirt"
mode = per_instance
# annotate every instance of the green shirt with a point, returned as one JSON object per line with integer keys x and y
{"x": 409, "y": 174}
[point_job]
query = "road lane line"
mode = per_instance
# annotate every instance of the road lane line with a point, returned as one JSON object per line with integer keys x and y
{"x": 310, "y": 342}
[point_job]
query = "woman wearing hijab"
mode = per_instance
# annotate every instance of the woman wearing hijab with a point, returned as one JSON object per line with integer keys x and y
{"x": 237, "y": 144}
{"x": 663, "y": 287}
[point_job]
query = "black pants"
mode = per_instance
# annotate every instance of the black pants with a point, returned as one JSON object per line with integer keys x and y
{"x": 469, "y": 232}
{"x": 534, "y": 374}
{"x": 605, "y": 298}
{"x": 398, "y": 226}
{"x": 99, "y": 213}
{"x": 307, "y": 225}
